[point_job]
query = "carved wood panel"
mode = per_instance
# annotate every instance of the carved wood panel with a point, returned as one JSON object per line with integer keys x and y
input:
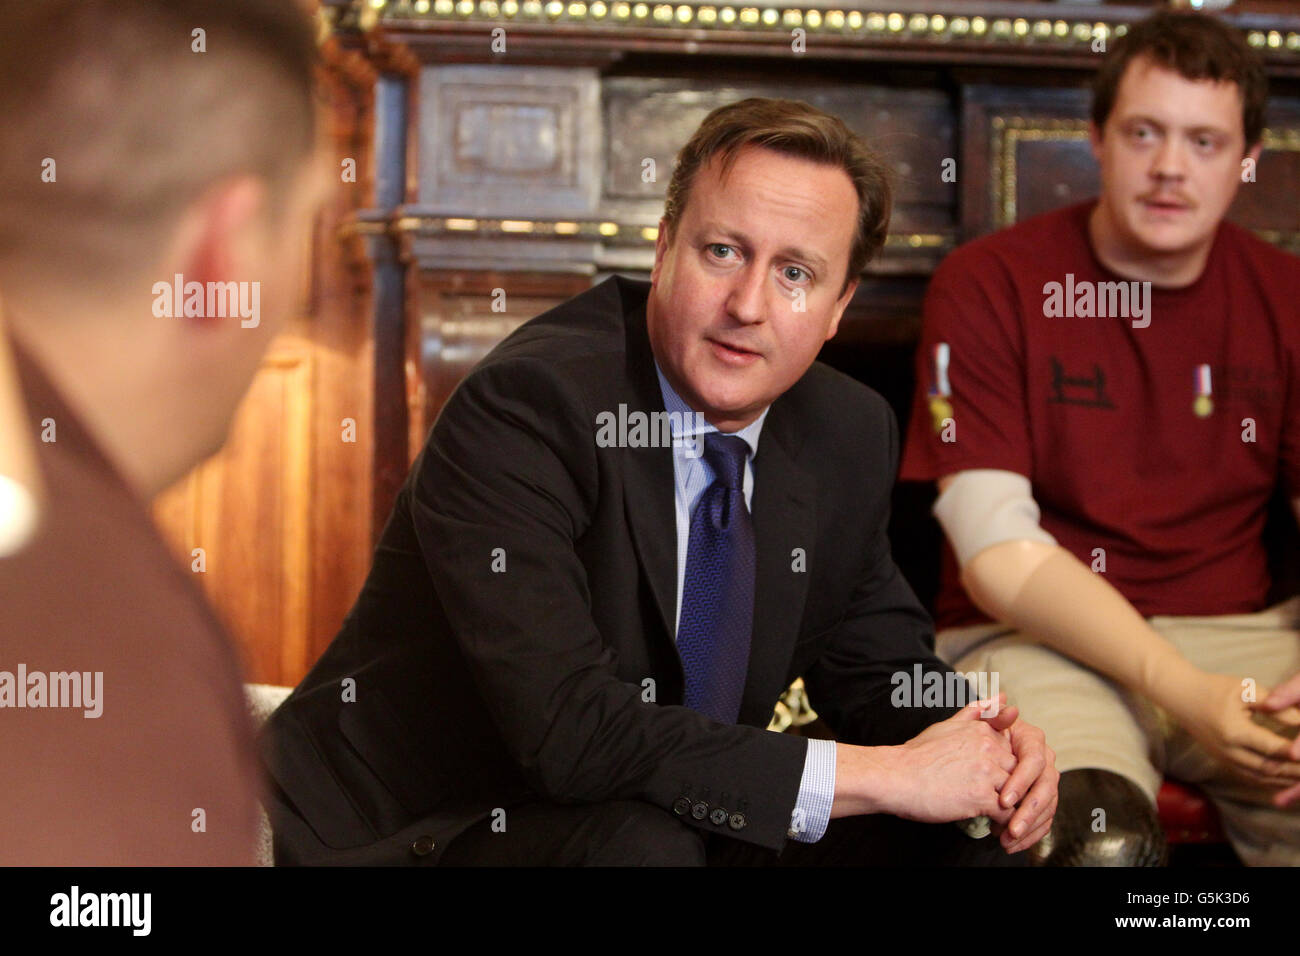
{"x": 458, "y": 320}
{"x": 248, "y": 509}
{"x": 508, "y": 141}
{"x": 652, "y": 119}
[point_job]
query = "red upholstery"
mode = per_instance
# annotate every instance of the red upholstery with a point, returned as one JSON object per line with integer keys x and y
{"x": 1187, "y": 815}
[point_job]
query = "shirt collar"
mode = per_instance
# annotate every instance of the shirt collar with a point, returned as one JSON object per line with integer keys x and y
{"x": 691, "y": 425}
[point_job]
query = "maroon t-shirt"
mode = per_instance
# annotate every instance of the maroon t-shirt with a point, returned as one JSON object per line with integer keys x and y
{"x": 1134, "y": 439}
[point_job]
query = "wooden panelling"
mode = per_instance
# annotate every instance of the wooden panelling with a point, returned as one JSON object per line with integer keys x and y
{"x": 1009, "y": 128}
{"x": 1271, "y": 204}
{"x": 508, "y": 141}
{"x": 911, "y": 127}
{"x": 459, "y": 320}
{"x": 248, "y": 510}
{"x": 1029, "y": 34}
{"x": 342, "y": 388}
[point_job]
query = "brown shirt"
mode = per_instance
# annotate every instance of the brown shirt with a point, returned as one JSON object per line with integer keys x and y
{"x": 97, "y": 592}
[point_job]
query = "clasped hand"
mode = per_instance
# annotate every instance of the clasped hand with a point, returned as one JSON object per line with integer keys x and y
{"x": 973, "y": 765}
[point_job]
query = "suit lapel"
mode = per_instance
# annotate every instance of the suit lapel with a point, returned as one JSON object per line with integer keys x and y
{"x": 784, "y": 510}
{"x": 651, "y": 513}
{"x": 648, "y": 482}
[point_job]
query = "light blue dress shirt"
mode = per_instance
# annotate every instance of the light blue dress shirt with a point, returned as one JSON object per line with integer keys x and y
{"x": 691, "y": 475}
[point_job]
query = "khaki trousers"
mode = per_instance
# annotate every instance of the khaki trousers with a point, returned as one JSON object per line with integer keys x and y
{"x": 1092, "y": 722}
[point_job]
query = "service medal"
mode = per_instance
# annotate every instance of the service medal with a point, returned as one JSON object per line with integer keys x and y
{"x": 1203, "y": 405}
{"x": 940, "y": 411}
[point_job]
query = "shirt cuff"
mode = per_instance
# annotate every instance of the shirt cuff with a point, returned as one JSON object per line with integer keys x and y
{"x": 812, "y": 809}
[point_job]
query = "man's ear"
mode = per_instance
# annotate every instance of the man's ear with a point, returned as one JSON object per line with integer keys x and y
{"x": 661, "y": 247}
{"x": 841, "y": 304}
{"x": 1094, "y": 137}
{"x": 1253, "y": 153}
{"x": 223, "y": 232}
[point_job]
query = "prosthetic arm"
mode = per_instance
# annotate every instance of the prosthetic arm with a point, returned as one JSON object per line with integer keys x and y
{"x": 1016, "y": 573}
{"x": 20, "y": 484}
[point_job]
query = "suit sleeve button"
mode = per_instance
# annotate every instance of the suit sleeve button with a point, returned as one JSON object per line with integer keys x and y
{"x": 700, "y": 810}
{"x": 423, "y": 846}
{"x": 718, "y": 817}
{"x": 682, "y": 806}
{"x": 737, "y": 821}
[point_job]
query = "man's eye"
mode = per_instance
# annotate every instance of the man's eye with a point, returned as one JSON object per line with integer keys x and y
{"x": 719, "y": 250}
{"x": 799, "y": 274}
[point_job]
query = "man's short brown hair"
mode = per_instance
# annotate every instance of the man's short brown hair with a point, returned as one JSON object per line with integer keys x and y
{"x": 133, "y": 114}
{"x": 1197, "y": 47}
{"x": 795, "y": 129}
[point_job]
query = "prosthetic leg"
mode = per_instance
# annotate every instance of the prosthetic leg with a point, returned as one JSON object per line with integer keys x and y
{"x": 1102, "y": 819}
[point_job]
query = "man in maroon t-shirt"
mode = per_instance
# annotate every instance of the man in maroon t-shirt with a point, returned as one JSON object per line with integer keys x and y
{"x": 1103, "y": 397}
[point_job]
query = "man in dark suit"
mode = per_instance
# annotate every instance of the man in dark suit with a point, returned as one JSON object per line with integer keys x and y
{"x": 583, "y": 609}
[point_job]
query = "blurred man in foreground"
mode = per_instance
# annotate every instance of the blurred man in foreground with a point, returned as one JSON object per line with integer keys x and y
{"x": 148, "y": 144}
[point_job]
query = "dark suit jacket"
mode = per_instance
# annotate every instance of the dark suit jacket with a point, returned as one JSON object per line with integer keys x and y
{"x": 480, "y": 684}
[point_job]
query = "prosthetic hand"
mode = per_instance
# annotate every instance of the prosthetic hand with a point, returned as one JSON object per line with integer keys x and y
{"x": 1281, "y": 702}
{"x": 1282, "y": 699}
{"x": 1016, "y": 573}
{"x": 21, "y": 490}
{"x": 1046, "y": 591}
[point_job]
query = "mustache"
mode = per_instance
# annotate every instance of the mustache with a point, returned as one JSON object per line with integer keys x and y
{"x": 1178, "y": 198}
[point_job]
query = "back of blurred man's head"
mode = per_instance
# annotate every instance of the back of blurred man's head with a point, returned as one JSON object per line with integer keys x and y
{"x": 145, "y": 139}
{"x": 111, "y": 100}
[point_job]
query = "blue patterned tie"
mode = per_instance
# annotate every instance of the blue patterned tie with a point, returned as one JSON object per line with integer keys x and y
{"x": 718, "y": 593}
